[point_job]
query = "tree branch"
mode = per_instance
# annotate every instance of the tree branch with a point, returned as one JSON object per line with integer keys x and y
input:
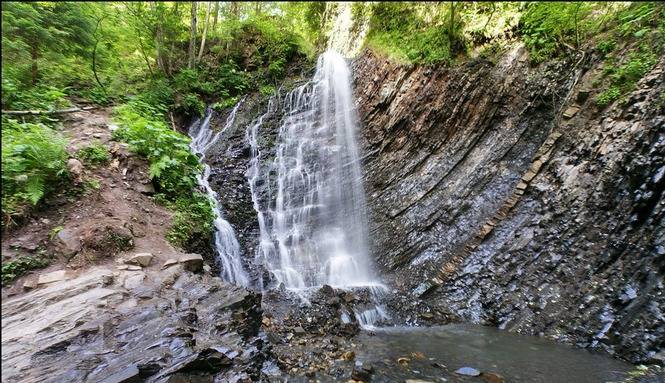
{"x": 39, "y": 112}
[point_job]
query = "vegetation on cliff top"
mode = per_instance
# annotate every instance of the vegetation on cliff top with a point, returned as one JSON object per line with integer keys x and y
{"x": 162, "y": 62}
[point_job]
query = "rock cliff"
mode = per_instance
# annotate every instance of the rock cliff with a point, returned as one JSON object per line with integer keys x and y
{"x": 502, "y": 193}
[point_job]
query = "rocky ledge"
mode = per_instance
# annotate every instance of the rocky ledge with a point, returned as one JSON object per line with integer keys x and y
{"x": 132, "y": 325}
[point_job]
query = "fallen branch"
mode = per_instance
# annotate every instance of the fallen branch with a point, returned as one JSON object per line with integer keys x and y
{"x": 38, "y": 112}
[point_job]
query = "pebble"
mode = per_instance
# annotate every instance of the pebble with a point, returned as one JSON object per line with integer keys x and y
{"x": 468, "y": 371}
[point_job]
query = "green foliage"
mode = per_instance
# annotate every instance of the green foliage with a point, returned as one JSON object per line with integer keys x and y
{"x": 547, "y": 27}
{"x": 622, "y": 78}
{"x": 190, "y": 105}
{"x": 91, "y": 184}
{"x": 54, "y": 232}
{"x": 95, "y": 154}
{"x": 32, "y": 31}
{"x": 398, "y": 30}
{"x": 172, "y": 165}
{"x": 639, "y": 18}
{"x": 606, "y": 46}
{"x": 641, "y": 26}
{"x": 608, "y": 96}
{"x": 267, "y": 90}
{"x": 33, "y": 164}
{"x": 193, "y": 218}
{"x": 19, "y": 266}
{"x": 41, "y": 97}
{"x": 226, "y": 103}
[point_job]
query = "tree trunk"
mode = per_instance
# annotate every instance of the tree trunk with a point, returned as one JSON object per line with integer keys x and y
{"x": 94, "y": 66}
{"x": 94, "y": 54}
{"x": 34, "y": 54}
{"x": 39, "y": 112}
{"x": 170, "y": 58}
{"x": 451, "y": 29}
{"x": 192, "y": 37}
{"x": 205, "y": 32}
{"x": 145, "y": 57}
{"x": 214, "y": 21}
{"x": 159, "y": 38}
{"x": 235, "y": 10}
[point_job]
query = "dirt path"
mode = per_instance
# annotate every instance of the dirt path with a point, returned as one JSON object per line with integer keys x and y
{"x": 105, "y": 216}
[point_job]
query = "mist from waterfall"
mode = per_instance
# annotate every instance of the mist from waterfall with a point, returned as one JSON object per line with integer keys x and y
{"x": 314, "y": 229}
{"x": 226, "y": 243}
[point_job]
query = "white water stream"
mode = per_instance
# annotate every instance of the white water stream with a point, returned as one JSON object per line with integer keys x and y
{"x": 226, "y": 243}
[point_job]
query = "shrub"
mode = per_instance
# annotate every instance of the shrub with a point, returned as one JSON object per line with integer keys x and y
{"x": 193, "y": 218}
{"x": 190, "y": 105}
{"x": 608, "y": 96}
{"x": 622, "y": 78}
{"x": 172, "y": 165}
{"x": 33, "y": 164}
{"x": 95, "y": 154}
{"x": 267, "y": 90}
{"x": 548, "y": 27}
{"x": 19, "y": 266}
{"x": 400, "y": 31}
{"x": 227, "y": 103}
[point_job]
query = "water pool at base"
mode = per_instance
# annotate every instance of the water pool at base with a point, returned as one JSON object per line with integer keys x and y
{"x": 516, "y": 358}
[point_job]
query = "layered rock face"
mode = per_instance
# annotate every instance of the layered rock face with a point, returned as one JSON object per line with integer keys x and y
{"x": 502, "y": 193}
{"x": 132, "y": 326}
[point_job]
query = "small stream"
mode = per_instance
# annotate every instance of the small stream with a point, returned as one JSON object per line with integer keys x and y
{"x": 516, "y": 358}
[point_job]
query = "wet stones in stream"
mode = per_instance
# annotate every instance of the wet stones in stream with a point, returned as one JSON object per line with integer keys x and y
{"x": 307, "y": 335}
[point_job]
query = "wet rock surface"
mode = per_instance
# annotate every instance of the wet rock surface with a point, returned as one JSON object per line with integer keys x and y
{"x": 108, "y": 326}
{"x": 503, "y": 194}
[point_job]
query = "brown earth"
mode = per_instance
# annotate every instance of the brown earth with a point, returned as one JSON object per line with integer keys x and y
{"x": 80, "y": 225}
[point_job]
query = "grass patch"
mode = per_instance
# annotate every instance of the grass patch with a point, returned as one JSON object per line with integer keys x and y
{"x": 95, "y": 154}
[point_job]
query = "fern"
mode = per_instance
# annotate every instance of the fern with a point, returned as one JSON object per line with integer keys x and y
{"x": 33, "y": 162}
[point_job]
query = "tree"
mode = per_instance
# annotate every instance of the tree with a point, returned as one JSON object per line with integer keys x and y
{"x": 39, "y": 28}
{"x": 214, "y": 22}
{"x": 192, "y": 37}
{"x": 205, "y": 32}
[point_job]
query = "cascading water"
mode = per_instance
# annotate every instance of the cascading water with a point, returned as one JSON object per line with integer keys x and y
{"x": 314, "y": 227}
{"x": 226, "y": 243}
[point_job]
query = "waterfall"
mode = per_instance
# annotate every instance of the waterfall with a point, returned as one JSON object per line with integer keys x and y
{"x": 226, "y": 243}
{"x": 312, "y": 213}
{"x": 314, "y": 231}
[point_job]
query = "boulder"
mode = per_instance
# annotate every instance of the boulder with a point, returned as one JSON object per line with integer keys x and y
{"x": 68, "y": 242}
{"x": 29, "y": 284}
{"x": 362, "y": 372}
{"x": 169, "y": 262}
{"x": 133, "y": 281}
{"x": 75, "y": 167}
{"x": 146, "y": 188}
{"x": 571, "y": 111}
{"x": 192, "y": 262}
{"x": 141, "y": 259}
{"x": 54, "y": 276}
